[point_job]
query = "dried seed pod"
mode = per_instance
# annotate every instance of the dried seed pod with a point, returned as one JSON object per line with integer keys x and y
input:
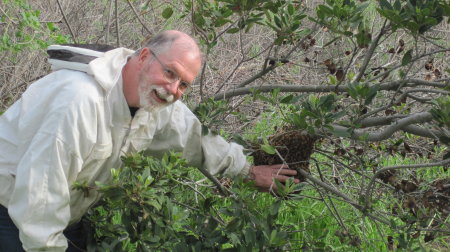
{"x": 437, "y": 73}
{"x": 340, "y": 74}
{"x": 429, "y": 65}
{"x": 330, "y": 66}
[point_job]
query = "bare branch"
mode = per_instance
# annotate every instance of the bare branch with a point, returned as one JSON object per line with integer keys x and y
{"x": 138, "y": 17}
{"x": 369, "y": 53}
{"x": 6, "y": 15}
{"x": 266, "y": 69}
{"x": 387, "y": 132}
{"x": 117, "y": 23}
{"x": 108, "y": 22}
{"x": 222, "y": 190}
{"x": 419, "y": 131}
{"x": 340, "y": 194}
{"x": 67, "y": 23}
{"x": 318, "y": 88}
{"x": 414, "y": 59}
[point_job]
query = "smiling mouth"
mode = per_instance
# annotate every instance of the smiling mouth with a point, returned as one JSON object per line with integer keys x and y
{"x": 158, "y": 98}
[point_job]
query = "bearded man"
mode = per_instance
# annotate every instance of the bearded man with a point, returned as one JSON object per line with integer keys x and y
{"x": 75, "y": 123}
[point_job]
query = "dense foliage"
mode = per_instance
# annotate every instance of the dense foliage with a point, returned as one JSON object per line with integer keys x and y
{"x": 157, "y": 204}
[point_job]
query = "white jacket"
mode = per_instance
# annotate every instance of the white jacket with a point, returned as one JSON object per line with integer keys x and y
{"x": 74, "y": 126}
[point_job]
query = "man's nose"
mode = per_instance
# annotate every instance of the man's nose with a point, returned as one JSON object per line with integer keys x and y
{"x": 172, "y": 88}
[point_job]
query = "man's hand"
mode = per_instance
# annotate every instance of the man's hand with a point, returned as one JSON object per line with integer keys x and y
{"x": 264, "y": 176}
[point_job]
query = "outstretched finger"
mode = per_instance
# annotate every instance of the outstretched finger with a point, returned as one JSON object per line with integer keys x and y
{"x": 287, "y": 172}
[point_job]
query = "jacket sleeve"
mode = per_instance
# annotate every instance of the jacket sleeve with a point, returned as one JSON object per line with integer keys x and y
{"x": 39, "y": 205}
{"x": 179, "y": 129}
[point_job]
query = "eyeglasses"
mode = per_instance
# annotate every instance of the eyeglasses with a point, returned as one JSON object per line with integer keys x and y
{"x": 171, "y": 76}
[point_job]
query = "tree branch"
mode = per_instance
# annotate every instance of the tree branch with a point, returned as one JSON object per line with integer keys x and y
{"x": 369, "y": 53}
{"x": 117, "y": 23}
{"x": 222, "y": 190}
{"x": 138, "y": 17}
{"x": 320, "y": 88}
{"x": 359, "y": 134}
{"x": 340, "y": 194}
{"x": 108, "y": 22}
{"x": 67, "y": 22}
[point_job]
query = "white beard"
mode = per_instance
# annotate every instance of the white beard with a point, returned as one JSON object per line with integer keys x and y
{"x": 146, "y": 100}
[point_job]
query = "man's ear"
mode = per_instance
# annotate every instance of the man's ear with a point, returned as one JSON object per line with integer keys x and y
{"x": 144, "y": 55}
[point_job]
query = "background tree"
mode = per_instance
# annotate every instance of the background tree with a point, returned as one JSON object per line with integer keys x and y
{"x": 352, "y": 94}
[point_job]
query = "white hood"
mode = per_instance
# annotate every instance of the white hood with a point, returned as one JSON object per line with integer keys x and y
{"x": 104, "y": 66}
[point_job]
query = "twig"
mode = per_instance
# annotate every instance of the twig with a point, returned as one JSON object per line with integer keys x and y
{"x": 370, "y": 52}
{"x": 357, "y": 134}
{"x": 412, "y": 60}
{"x": 117, "y": 23}
{"x": 108, "y": 22}
{"x": 222, "y": 190}
{"x": 138, "y": 17}
{"x": 43, "y": 21}
{"x": 6, "y": 15}
{"x": 67, "y": 23}
{"x": 333, "y": 211}
{"x": 330, "y": 189}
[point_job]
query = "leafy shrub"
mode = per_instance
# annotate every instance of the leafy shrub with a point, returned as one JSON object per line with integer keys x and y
{"x": 156, "y": 204}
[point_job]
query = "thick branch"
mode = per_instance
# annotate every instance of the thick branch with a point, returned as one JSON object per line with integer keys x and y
{"x": 320, "y": 88}
{"x": 359, "y": 134}
{"x": 380, "y": 121}
{"x": 419, "y": 131}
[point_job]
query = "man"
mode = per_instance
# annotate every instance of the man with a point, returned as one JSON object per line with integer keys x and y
{"x": 75, "y": 123}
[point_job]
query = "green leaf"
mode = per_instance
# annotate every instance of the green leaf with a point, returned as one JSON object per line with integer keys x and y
{"x": 275, "y": 207}
{"x": 167, "y": 12}
{"x": 287, "y": 99}
{"x": 269, "y": 149}
{"x": 362, "y": 6}
{"x": 341, "y": 132}
{"x": 397, "y": 5}
{"x": 233, "y": 30}
{"x": 384, "y": 4}
{"x": 51, "y": 26}
{"x": 205, "y": 130}
{"x": 291, "y": 9}
{"x": 407, "y": 57}
{"x": 332, "y": 79}
{"x": 371, "y": 94}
